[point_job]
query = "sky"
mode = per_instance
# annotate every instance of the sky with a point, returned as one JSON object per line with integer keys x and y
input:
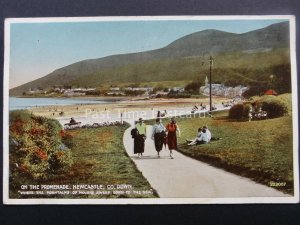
{"x": 37, "y": 49}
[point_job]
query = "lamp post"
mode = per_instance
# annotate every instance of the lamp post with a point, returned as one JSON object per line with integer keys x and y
{"x": 210, "y": 100}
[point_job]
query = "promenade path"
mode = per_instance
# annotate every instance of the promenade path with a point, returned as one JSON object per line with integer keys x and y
{"x": 184, "y": 177}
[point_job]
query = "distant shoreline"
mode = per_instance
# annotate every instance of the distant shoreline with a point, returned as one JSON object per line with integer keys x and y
{"x": 121, "y": 106}
{"x": 95, "y": 98}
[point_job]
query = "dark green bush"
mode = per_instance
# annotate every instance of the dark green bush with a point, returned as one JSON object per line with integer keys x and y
{"x": 179, "y": 95}
{"x": 236, "y": 111}
{"x": 274, "y": 107}
{"x": 193, "y": 87}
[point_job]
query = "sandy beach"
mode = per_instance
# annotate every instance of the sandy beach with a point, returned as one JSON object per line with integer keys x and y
{"x": 127, "y": 110}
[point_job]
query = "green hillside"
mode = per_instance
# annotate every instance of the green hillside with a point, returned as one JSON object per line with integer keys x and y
{"x": 238, "y": 59}
{"x": 243, "y": 67}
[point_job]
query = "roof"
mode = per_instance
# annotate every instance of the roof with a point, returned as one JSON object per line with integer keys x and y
{"x": 270, "y": 92}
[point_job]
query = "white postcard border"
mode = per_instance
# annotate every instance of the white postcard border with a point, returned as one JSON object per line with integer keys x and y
{"x": 7, "y": 200}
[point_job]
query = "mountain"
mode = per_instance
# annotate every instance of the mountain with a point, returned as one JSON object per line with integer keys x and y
{"x": 166, "y": 63}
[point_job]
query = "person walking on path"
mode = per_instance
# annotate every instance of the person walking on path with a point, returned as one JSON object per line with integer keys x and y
{"x": 172, "y": 129}
{"x": 158, "y": 135}
{"x": 141, "y": 137}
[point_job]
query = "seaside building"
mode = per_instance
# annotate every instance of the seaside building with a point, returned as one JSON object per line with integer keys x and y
{"x": 32, "y": 91}
{"x": 71, "y": 93}
{"x": 114, "y": 89}
{"x": 146, "y": 90}
{"x": 115, "y": 93}
{"x": 161, "y": 93}
{"x": 178, "y": 89}
{"x": 222, "y": 90}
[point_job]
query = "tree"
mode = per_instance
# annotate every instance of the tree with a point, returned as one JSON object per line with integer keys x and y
{"x": 193, "y": 86}
{"x": 254, "y": 89}
{"x": 282, "y": 78}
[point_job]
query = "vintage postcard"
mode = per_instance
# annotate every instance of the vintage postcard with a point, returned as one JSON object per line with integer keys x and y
{"x": 150, "y": 110}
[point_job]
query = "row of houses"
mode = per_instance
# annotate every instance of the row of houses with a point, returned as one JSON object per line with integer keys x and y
{"x": 65, "y": 91}
{"x": 222, "y": 90}
{"x": 32, "y": 91}
{"x": 147, "y": 91}
{"x": 119, "y": 91}
{"x": 76, "y": 91}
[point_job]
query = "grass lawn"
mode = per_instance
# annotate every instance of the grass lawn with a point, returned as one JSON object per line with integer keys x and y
{"x": 99, "y": 158}
{"x": 260, "y": 150}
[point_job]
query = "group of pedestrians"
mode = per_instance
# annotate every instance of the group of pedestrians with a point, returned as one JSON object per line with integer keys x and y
{"x": 162, "y": 136}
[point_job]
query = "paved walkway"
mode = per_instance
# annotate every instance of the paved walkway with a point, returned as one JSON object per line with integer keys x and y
{"x": 184, "y": 177}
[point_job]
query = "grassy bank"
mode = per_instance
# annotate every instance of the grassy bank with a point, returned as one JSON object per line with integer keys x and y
{"x": 260, "y": 150}
{"x": 41, "y": 153}
{"x": 100, "y": 158}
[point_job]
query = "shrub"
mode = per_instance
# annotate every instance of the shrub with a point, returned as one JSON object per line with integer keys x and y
{"x": 67, "y": 138}
{"x": 193, "y": 87}
{"x": 34, "y": 143}
{"x": 236, "y": 111}
{"x": 59, "y": 161}
{"x": 287, "y": 99}
{"x": 274, "y": 107}
{"x": 179, "y": 95}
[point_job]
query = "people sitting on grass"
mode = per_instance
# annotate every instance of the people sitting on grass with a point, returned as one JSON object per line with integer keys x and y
{"x": 203, "y": 137}
{"x": 208, "y": 132}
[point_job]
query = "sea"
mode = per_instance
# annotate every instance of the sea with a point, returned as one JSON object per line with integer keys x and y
{"x": 27, "y": 103}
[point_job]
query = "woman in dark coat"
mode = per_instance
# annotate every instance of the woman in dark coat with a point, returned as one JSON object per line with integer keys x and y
{"x": 136, "y": 142}
{"x": 139, "y": 136}
{"x": 158, "y": 135}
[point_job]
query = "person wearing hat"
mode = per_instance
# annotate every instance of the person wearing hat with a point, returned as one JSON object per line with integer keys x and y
{"x": 141, "y": 137}
{"x": 158, "y": 135}
{"x": 172, "y": 129}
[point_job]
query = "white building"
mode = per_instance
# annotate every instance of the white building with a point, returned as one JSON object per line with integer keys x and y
{"x": 71, "y": 93}
{"x": 114, "y": 89}
{"x": 145, "y": 89}
{"x": 178, "y": 89}
{"x": 114, "y": 93}
{"x": 35, "y": 91}
{"x": 162, "y": 93}
{"x": 222, "y": 90}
